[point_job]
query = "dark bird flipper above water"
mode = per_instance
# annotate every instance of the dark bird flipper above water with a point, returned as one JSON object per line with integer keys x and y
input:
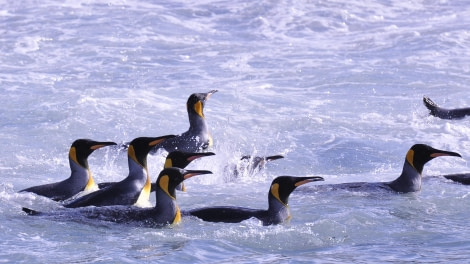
{"x": 277, "y": 212}
{"x": 444, "y": 113}
{"x": 463, "y": 178}
{"x": 30, "y": 211}
{"x": 257, "y": 162}
{"x": 248, "y": 166}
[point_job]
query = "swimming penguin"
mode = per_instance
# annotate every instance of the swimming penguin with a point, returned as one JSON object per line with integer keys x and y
{"x": 409, "y": 180}
{"x": 133, "y": 190}
{"x": 443, "y": 113}
{"x": 197, "y": 138}
{"x": 80, "y": 180}
{"x": 278, "y": 210}
{"x": 165, "y": 212}
{"x": 176, "y": 159}
{"x": 248, "y": 165}
{"x": 463, "y": 178}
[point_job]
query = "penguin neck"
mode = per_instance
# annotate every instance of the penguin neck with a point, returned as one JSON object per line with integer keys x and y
{"x": 409, "y": 180}
{"x": 140, "y": 178}
{"x": 197, "y": 123}
{"x": 81, "y": 176}
{"x": 137, "y": 171}
{"x": 167, "y": 210}
{"x": 278, "y": 211}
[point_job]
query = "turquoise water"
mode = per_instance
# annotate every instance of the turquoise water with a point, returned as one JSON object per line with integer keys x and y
{"x": 334, "y": 86}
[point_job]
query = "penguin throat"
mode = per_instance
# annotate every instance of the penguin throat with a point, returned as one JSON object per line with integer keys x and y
{"x": 131, "y": 154}
{"x": 144, "y": 196}
{"x": 410, "y": 157}
{"x": 275, "y": 193}
{"x": 198, "y": 109}
{"x": 409, "y": 180}
{"x": 177, "y": 218}
{"x": 73, "y": 156}
{"x": 164, "y": 185}
{"x": 168, "y": 163}
{"x": 91, "y": 185}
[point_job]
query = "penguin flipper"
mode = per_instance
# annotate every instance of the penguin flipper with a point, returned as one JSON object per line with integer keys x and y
{"x": 30, "y": 211}
{"x": 224, "y": 214}
{"x": 443, "y": 113}
{"x": 463, "y": 178}
{"x": 103, "y": 185}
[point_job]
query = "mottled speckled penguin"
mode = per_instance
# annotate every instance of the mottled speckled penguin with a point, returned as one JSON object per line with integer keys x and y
{"x": 197, "y": 138}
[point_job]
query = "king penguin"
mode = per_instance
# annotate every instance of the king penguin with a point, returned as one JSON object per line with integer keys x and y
{"x": 408, "y": 181}
{"x": 180, "y": 159}
{"x": 443, "y": 113}
{"x": 135, "y": 188}
{"x": 176, "y": 159}
{"x": 80, "y": 180}
{"x": 197, "y": 138}
{"x": 277, "y": 212}
{"x": 165, "y": 212}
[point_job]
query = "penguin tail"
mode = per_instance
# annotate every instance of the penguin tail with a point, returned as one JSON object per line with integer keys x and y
{"x": 30, "y": 211}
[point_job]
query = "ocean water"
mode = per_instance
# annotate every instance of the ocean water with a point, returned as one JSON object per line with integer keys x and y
{"x": 334, "y": 86}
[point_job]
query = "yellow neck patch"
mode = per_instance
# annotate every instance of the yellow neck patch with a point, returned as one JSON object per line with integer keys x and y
{"x": 198, "y": 108}
{"x": 211, "y": 141}
{"x": 177, "y": 219}
{"x": 164, "y": 180}
{"x": 144, "y": 196}
{"x": 73, "y": 155}
{"x": 131, "y": 153}
{"x": 275, "y": 192}
{"x": 91, "y": 185}
{"x": 168, "y": 163}
{"x": 410, "y": 156}
{"x": 148, "y": 185}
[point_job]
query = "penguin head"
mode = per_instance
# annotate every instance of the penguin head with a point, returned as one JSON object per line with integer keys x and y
{"x": 141, "y": 146}
{"x": 82, "y": 148}
{"x": 283, "y": 186}
{"x": 182, "y": 159}
{"x": 169, "y": 178}
{"x": 196, "y": 101}
{"x": 420, "y": 154}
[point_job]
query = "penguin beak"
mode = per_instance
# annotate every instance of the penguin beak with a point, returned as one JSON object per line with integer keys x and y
{"x": 191, "y": 173}
{"x": 440, "y": 153}
{"x": 209, "y": 94}
{"x": 159, "y": 140}
{"x": 305, "y": 180}
{"x": 200, "y": 155}
{"x": 101, "y": 144}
